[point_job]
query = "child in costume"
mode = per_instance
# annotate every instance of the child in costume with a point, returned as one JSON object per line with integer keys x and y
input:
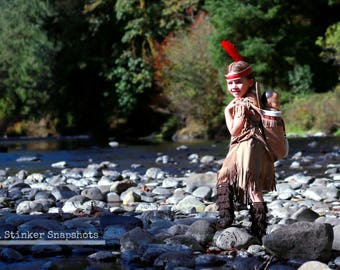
{"x": 248, "y": 168}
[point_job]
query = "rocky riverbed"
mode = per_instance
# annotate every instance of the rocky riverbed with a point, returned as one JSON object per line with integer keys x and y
{"x": 150, "y": 218}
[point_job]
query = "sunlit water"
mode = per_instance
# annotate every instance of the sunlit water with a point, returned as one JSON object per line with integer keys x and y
{"x": 81, "y": 152}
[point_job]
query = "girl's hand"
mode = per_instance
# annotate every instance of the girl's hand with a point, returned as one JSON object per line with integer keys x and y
{"x": 235, "y": 116}
{"x": 235, "y": 102}
{"x": 237, "y": 108}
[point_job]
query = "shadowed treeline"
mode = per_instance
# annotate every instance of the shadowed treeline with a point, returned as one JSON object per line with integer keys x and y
{"x": 134, "y": 68}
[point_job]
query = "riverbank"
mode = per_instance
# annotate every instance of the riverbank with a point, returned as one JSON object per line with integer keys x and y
{"x": 159, "y": 212}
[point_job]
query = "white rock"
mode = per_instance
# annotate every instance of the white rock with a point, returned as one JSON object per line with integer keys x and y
{"x": 113, "y": 144}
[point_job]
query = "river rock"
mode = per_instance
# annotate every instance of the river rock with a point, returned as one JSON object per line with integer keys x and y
{"x": 164, "y": 159}
{"x": 201, "y": 179}
{"x": 36, "y": 177}
{"x": 22, "y": 174}
{"x": 336, "y": 242}
{"x": 143, "y": 206}
{"x": 28, "y": 159}
{"x": 314, "y": 265}
{"x": 127, "y": 222}
{"x": 185, "y": 240}
{"x": 154, "y": 173}
{"x": 337, "y": 261}
{"x": 73, "y": 203}
{"x": 103, "y": 255}
{"x": 40, "y": 225}
{"x": 81, "y": 224}
{"x": 114, "y": 233}
{"x": 331, "y": 220}
{"x": 15, "y": 194}
{"x": 113, "y": 144}
{"x": 305, "y": 214}
{"x": 10, "y": 255}
{"x": 121, "y": 186}
{"x": 233, "y": 237}
{"x": 112, "y": 197}
{"x": 172, "y": 182}
{"x": 27, "y": 207}
{"x": 190, "y": 202}
{"x": 43, "y": 195}
{"x": 113, "y": 174}
{"x": 130, "y": 196}
{"x": 91, "y": 173}
{"x": 312, "y": 194}
{"x": 306, "y": 240}
{"x": 201, "y": 230}
{"x": 173, "y": 260}
{"x": 207, "y": 159}
{"x": 246, "y": 263}
{"x": 178, "y": 229}
{"x": 135, "y": 238}
{"x": 17, "y": 220}
{"x": 162, "y": 191}
{"x": 210, "y": 261}
{"x": 203, "y": 192}
{"x": 106, "y": 181}
{"x": 178, "y": 195}
{"x": 63, "y": 192}
{"x": 153, "y": 250}
{"x": 59, "y": 164}
{"x": 133, "y": 176}
{"x": 46, "y": 250}
{"x": 299, "y": 178}
{"x": 55, "y": 180}
{"x": 18, "y": 185}
{"x": 93, "y": 193}
{"x": 3, "y": 174}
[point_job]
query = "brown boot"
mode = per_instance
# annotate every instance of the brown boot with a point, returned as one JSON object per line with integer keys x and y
{"x": 258, "y": 217}
{"x": 225, "y": 206}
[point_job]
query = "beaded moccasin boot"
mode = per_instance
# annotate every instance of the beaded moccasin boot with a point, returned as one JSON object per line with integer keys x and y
{"x": 225, "y": 206}
{"x": 258, "y": 217}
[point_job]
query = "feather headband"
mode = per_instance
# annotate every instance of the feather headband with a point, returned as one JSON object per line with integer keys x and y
{"x": 235, "y": 55}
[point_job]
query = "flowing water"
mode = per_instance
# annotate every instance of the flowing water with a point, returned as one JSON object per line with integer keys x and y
{"x": 79, "y": 152}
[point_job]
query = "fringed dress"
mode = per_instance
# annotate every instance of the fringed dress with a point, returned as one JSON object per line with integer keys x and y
{"x": 248, "y": 164}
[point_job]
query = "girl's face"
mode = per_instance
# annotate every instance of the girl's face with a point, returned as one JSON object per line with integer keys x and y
{"x": 239, "y": 87}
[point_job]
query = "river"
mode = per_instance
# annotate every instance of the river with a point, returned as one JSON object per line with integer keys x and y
{"x": 40, "y": 154}
{"x": 81, "y": 151}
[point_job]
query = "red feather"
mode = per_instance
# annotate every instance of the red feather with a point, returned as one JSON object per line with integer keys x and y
{"x": 230, "y": 49}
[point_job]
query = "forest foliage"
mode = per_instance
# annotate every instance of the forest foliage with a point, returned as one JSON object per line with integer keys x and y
{"x": 134, "y": 68}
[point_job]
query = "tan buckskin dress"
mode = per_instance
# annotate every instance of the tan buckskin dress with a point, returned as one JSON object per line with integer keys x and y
{"x": 248, "y": 164}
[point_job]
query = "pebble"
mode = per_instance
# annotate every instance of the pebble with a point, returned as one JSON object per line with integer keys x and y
{"x": 150, "y": 218}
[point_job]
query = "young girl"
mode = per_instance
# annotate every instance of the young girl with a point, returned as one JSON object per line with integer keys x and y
{"x": 248, "y": 168}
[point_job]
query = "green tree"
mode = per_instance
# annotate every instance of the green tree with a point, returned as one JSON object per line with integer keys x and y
{"x": 275, "y": 36}
{"x": 86, "y": 36}
{"x": 104, "y": 66}
{"x": 26, "y": 58}
{"x": 192, "y": 84}
{"x": 144, "y": 23}
{"x": 330, "y": 44}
